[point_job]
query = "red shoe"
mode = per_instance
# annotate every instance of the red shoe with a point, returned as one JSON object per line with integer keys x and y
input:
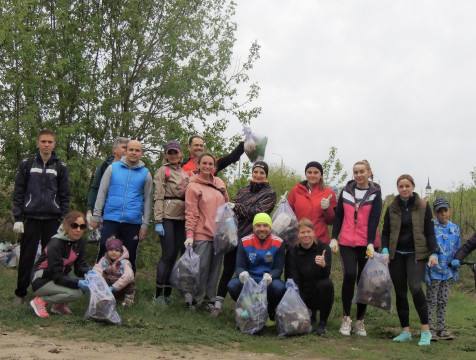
{"x": 61, "y": 309}
{"x": 39, "y": 307}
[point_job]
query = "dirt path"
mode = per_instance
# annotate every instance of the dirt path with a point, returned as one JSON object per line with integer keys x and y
{"x": 20, "y": 345}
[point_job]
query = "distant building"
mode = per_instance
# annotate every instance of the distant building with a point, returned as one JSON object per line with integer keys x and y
{"x": 428, "y": 189}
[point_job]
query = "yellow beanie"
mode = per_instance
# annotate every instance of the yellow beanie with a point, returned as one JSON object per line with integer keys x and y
{"x": 262, "y": 218}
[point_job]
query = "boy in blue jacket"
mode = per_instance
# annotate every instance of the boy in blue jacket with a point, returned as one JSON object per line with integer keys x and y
{"x": 442, "y": 275}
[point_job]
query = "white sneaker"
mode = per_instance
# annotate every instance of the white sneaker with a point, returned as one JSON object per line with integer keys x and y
{"x": 359, "y": 328}
{"x": 345, "y": 325}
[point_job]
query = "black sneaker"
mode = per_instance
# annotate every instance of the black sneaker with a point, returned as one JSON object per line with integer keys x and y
{"x": 444, "y": 335}
{"x": 321, "y": 328}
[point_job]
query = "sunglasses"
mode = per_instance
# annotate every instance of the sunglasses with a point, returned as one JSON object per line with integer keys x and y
{"x": 75, "y": 226}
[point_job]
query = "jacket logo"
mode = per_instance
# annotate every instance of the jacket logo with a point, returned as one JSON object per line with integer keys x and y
{"x": 252, "y": 257}
{"x": 269, "y": 257}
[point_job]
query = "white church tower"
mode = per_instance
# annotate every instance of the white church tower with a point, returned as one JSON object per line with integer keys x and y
{"x": 428, "y": 189}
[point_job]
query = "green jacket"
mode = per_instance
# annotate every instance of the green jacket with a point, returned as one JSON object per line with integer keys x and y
{"x": 418, "y": 224}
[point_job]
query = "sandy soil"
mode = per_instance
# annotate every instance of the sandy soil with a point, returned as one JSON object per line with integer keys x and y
{"x": 20, "y": 345}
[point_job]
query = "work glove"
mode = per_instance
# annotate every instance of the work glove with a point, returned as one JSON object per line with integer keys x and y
{"x": 386, "y": 254}
{"x": 334, "y": 245}
{"x": 268, "y": 278}
{"x": 188, "y": 242}
{"x": 243, "y": 276}
{"x": 370, "y": 251}
{"x": 91, "y": 272}
{"x": 230, "y": 205}
{"x": 159, "y": 229}
{"x": 325, "y": 202}
{"x": 83, "y": 285}
{"x": 18, "y": 227}
{"x": 455, "y": 264}
{"x": 111, "y": 288}
{"x": 433, "y": 260}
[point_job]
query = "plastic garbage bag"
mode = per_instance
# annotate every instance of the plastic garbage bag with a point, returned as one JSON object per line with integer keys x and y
{"x": 285, "y": 223}
{"x": 226, "y": 230}
{"x": 251, "y": 311}
{"x": 255, "y": 145}
{"x": 292, "y": 315}
{"x": 375, "y": 284}
{"x": 102, "y": 304}
{"x": 186, "y": 274}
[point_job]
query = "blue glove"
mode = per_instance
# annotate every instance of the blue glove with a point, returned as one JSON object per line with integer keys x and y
{"x": 455, "y": 264}
{"x": 385, "y": 251}
{"x": 111, "y": 288}
{"x": 83, "y": 285}
{"x": 91, "y": 272}
{"x": 159, "y": 229}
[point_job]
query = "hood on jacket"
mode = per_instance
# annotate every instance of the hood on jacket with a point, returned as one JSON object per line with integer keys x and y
{"x": 124, "y": 255}
{"x": 212, "y": 180}
{"x": 124, "y": 163}
{"x": 62, "y": 234}
{"x": 352, "y": 184}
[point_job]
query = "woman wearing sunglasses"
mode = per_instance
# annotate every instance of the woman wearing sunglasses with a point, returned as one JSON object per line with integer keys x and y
{"x": 52, "y": 282}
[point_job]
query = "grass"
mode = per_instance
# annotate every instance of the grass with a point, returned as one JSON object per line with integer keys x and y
{"x": 176, "y": 327}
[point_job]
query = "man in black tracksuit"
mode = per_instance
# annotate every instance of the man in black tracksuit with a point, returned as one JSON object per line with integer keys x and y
{"x": 40, "y": 199}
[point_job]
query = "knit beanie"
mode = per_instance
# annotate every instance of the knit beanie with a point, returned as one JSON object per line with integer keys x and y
{"x": 316, "y": 165}
{"x": 113, "y": 243}
{"x": 262, "y": 218}
{"x": 262, "y": 165}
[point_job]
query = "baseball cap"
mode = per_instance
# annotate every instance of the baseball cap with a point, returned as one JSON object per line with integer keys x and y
{"x": 172, "y": 145}
{"x": 439, "y": 203}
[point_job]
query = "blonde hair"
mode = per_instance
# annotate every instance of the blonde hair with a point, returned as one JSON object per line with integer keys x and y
{"x": 367, "y": 166}
{"x": 305, "y": 222}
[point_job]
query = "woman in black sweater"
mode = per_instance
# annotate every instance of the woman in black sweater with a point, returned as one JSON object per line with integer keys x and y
{"x": 310, "y": 267}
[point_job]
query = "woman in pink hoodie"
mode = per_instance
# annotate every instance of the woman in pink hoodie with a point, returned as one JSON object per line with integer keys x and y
{"x": 204, "y": 194}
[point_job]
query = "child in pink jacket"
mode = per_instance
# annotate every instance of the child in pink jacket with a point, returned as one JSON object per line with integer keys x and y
{"x": 116, "y": 269}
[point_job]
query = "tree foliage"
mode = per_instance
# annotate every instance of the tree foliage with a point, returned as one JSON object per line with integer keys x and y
{"x": 92, "y": 70}
{"x": 334, "y": 174}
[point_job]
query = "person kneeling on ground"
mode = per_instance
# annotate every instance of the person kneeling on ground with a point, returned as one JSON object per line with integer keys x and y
{"x": 261, "y": 256}
{"x": 116, "y": 269}
{"x": 52, "y": 282}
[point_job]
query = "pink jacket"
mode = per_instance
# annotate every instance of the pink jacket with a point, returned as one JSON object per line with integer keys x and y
{"x": 117, "y": 273}
{"x": 202, "y": 199}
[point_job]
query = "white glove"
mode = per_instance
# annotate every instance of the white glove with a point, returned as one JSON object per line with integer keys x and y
{"x": 188, "y": 242}
{"x": 325, "y": 202}
{"x": 268, "y": 278}
{"x": 370, "y": 251}
{"x": 230, "y": 205}
{"x": 18, "y": 227}
{"x": 89, "y": 218}
{"x": 243, "y": 276}
{"x": 334, "y": 245}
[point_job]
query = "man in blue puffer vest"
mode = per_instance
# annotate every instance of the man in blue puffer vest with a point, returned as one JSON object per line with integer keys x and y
{"x": 125, "y": 194}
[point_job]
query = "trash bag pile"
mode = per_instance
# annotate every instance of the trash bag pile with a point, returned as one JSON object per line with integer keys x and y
{"x": 375, "y": 284}
{"x": 251, "y": 311}
{"x": 292, "y": 315}
{"x": 102, "y": 304}
{"x": 255, "y": 145}
{"x": 9, "y": 254}
{"x": 186, "y": 274}
{"x": 226, "y": 230}
{"x": 285, "y": 223}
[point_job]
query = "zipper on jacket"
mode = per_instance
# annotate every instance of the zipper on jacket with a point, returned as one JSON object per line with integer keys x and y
{"x": 125, "y": 195}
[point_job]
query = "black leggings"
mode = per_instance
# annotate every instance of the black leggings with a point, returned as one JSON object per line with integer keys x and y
{"x": 171, "y": 242}
{"x": 229, "y": 264}
{"x": 353, "y": 261}
{"x": 319, "y": 296}
{"x": 405, "y": 270}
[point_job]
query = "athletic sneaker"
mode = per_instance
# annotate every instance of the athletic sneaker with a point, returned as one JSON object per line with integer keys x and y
{"x": 18, "y": 301}
{"x": 210, "y": 307}
{"x": 434, "y": 337}
{"x": 159, "y": 301}
{"x": 321, "y": 328}
{"x": 359, "y": 328}
{"x": 61, "y": 309}
{"x": 215, "y": 311}
{"x": 444, "y": 335}
{"x": 39, "y": 307}
{"x": 192, "y": 306}
{"x": 404, "y": 336}
{"x": 425, "y": 338}
{"x": 345, "y": 325}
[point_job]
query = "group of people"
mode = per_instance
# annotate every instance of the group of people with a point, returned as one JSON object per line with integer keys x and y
{"x": 186, "y": 196}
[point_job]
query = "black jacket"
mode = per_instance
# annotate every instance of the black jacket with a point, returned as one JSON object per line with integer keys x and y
{"x": 303, "y": 268}
{"x": 466, "y": 248}
{"x": 56, "y": 264}
{"x": 41, "y": 192}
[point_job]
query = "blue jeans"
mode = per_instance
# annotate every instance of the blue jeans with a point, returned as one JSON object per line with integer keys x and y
{"x": 127, "y": 233}
{"x": 275, "y": 292}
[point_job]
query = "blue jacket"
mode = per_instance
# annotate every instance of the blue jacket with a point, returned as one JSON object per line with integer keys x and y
{"x": 448, "y": 241}
{"x": 40, "y": 192}
{"x": 258, "y": 257}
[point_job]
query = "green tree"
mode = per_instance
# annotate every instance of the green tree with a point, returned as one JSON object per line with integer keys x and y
{"x": 153, "y": 70}
{"x": 334, "y": 174}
